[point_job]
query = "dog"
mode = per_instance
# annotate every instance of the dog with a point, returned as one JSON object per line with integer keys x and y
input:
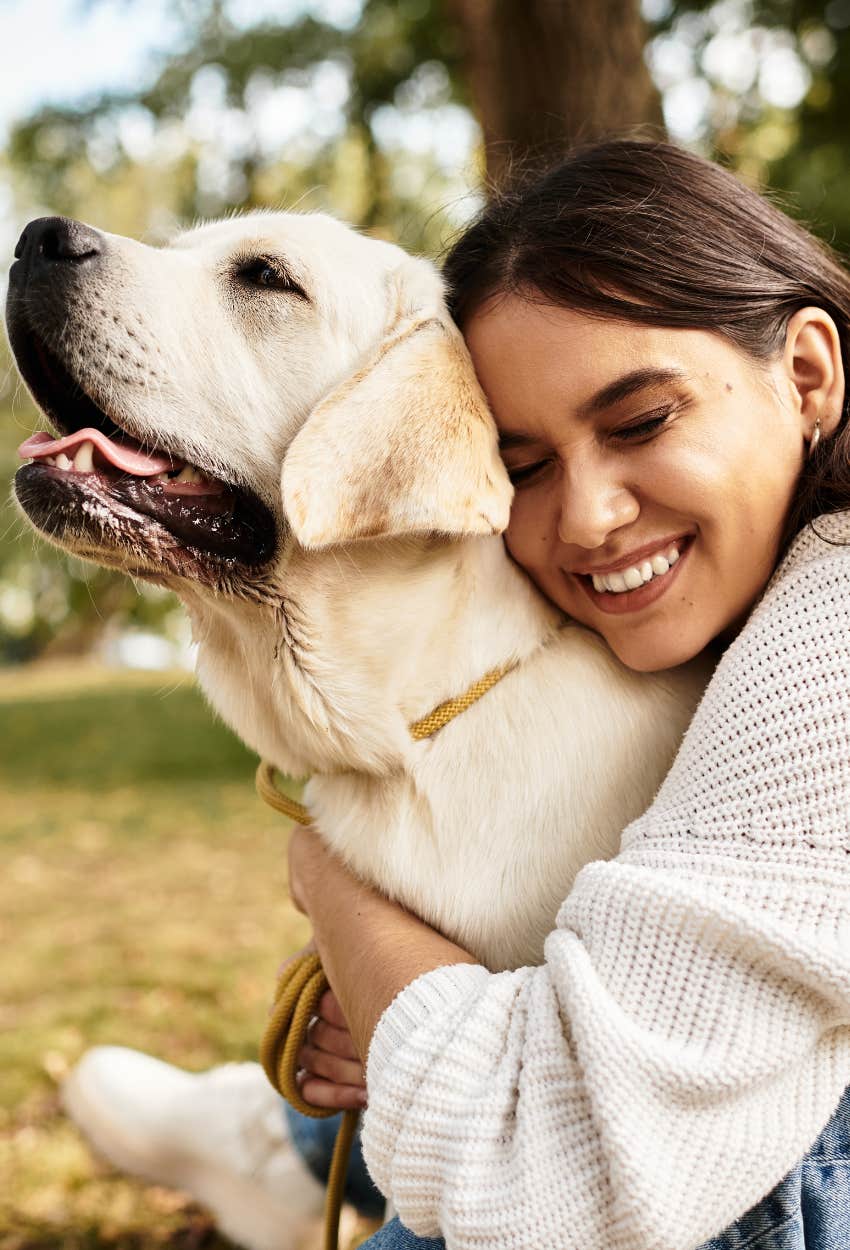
{"x": 275, "y": 417}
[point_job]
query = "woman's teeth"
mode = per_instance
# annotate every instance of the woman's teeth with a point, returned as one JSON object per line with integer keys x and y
{"x": 638, "y": 574}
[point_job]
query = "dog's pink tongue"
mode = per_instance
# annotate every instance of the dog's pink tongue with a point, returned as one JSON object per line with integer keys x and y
{"x": 126, "y": 455}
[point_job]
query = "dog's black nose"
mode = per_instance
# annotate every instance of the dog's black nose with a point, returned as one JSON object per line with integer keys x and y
{"x": 51, "y": 240}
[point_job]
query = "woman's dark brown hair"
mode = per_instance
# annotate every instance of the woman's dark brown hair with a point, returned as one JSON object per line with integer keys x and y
{"x": 644, "y": 231}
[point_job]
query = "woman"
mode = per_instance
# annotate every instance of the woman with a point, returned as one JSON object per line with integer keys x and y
{"x": 664, "y": 353}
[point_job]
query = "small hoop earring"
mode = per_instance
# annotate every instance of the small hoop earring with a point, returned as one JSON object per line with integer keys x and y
{"x": 815, "y": 439}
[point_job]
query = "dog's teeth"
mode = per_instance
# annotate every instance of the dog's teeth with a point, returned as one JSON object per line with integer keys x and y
{"x": 188, "y": 474}
{"x": 51, "y": 460}
{"x": 84, "y": 459}
{"x": 62, "y": 461}
{"x": 162, "y": 477}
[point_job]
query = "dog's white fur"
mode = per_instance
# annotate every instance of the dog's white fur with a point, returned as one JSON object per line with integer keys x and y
{"x": 356, "y": 416}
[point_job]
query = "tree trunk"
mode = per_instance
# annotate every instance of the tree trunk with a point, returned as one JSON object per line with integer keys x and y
{"x": 546, "y": 74}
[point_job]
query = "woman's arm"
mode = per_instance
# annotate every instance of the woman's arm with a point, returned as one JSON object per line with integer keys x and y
{"x": 370, "y": 948}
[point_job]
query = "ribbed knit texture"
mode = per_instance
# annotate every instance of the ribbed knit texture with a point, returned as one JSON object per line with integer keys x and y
{"x": 689, "y": 1034}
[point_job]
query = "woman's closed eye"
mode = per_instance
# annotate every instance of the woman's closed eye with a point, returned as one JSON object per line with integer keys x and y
{"x": 524, "y": 474}
{"x": 639, "y": 432}
{"x": 651, "y": 423}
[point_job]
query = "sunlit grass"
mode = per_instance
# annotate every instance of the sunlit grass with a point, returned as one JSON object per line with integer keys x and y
{"x": 143, "y": 902}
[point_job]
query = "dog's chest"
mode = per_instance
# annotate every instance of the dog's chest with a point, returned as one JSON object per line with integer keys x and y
{"x": 461, "y": 872}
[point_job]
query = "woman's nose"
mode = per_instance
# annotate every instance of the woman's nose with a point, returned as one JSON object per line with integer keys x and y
{"x": 592, "y": 507}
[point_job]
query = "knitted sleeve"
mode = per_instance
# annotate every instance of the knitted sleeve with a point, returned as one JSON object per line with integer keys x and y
{"x": 689, "y": 1033}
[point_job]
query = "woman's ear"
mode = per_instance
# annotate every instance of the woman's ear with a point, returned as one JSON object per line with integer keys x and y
{"x": 815, "y": 371}
{"x": 407, "y": 445}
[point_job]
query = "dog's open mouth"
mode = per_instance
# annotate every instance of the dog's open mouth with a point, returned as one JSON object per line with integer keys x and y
{"x": 96, "y": 484}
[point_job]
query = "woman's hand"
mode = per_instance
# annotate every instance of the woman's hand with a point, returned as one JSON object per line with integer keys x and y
{"x": 331, "y": 1072}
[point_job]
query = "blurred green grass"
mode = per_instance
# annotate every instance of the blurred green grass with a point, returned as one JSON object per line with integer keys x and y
{"x": 136, "y": 732}
{"x": 142, "y": 902}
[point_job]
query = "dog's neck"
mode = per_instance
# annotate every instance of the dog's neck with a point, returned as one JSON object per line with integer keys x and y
{"x": 362, "y": 641}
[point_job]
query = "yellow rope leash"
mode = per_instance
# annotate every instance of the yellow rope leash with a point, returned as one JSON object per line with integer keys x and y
{"x": 275, "y": 798}
{"x": 447, "y": 711}
{"x": 299, "y": 989}
{"x": 303, "y": 981}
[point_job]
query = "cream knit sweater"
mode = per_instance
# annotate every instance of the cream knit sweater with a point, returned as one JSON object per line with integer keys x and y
{"x": 689, "y": 1034}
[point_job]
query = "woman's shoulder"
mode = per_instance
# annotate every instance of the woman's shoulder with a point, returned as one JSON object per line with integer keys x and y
{"x": 827, "y": 537}
{"x": 813, "y": 578}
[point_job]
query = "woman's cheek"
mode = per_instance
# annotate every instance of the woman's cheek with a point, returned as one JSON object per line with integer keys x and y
{"x": 527, "y": 536}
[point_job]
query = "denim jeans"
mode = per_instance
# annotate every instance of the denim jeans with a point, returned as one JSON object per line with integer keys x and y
{"x": 808, "y": 1210}
{"x": 314, "y": 1141}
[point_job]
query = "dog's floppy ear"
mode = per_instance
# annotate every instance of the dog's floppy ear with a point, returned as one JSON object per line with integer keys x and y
{"x": 407, "y": 445}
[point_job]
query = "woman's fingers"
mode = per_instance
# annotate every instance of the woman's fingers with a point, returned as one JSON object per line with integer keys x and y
{"x": 321, "y": 1093}
{"x": 333, "y": 1068}
{"x": 331, "y": 1072}
{"x": 335, "y": 1041}
{"x": 330, "y": 1010}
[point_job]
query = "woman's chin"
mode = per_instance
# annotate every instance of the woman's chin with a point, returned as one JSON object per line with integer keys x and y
{"x": 656, "y": 654}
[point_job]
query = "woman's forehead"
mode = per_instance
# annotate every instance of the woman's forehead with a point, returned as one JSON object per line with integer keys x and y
{"x": 528, "y": 355}
{"x": 527, "y": 325}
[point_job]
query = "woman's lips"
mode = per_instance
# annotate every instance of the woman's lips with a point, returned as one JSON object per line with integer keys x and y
{"x": 658, "y": 547}
{"x": 634, "y": 600}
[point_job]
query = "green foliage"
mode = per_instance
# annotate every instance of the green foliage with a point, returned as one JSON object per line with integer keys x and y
{"x": 741, "y": 50}
{"x": 336, "y": 160}
{"x": 815, "y": 168}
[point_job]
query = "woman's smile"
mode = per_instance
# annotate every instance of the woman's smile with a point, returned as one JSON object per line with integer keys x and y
{"x": 635, "y": 583}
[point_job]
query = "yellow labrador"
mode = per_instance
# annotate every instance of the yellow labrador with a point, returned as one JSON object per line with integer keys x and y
{"x": 275, "y": 417}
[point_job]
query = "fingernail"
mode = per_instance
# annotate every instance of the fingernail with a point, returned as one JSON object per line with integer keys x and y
{"x": 362, "y": 1097}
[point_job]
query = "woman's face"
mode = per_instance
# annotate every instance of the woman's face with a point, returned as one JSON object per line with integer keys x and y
{"x": 653, "y": 470}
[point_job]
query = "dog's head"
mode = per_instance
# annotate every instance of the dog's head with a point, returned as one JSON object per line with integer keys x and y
{"x": 269, "y": 373}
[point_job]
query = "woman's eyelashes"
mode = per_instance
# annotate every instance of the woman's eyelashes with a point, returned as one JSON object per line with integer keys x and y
{"x": 524, "y": 474}
{"x": 641, "y": 431}
{"x": 650, "y": 423}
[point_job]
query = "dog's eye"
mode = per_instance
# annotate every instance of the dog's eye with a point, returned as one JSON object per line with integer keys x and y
{"x": 268, "y": 275}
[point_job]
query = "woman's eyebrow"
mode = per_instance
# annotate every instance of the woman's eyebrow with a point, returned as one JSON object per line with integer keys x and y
{"x": 626, "y": 386}
{"x": 509, "y": 439}
{"x": 614, "y": 393}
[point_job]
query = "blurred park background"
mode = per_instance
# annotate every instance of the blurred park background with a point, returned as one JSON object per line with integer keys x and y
{"x": 142, "y": 883}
